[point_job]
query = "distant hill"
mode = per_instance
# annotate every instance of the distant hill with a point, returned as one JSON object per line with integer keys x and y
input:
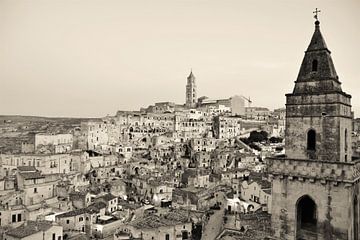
{"x": 14, "y": 129}
{"x": 19, "y": 118}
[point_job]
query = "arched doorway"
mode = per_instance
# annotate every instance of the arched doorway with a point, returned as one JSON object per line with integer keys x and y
{"x": 306, "y": 218}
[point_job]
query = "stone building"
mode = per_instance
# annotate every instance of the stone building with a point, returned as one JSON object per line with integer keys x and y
{"x": 315, "y": 191}
{"x": 203, "y": 144}
{"x": 258, "y": 191}
{"x": 257, "y": 113}
{"x": 53, "y": 143}
{"x": 39, "y": 230}
{"x": 46, "y": 163}
{"x": 95, "y": 134}
{"x": 172, "y": 225}
{"x": 226, "y": 126}
{"x": 234, "y": 105}
{"x": 187, "y": 128}
{"x": 190, "y": 91}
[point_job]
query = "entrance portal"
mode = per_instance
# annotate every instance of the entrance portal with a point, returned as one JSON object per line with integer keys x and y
{"x": 306, "y": 218}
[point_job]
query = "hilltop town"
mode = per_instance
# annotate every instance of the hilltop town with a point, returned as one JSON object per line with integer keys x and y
{"x": 203, "y": 169}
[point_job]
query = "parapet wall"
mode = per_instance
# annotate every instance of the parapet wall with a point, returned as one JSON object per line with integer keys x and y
{"x": 346, "y": 172}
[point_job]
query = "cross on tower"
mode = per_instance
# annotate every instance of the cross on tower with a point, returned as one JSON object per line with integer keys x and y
{"x": 316, "y": 13}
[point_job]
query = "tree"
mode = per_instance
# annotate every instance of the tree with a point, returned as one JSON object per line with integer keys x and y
{"x": 256, "y": 136}
{"x": 275, "y": 139}
{"x": 264, "y": 134}
{"x": 254, "y": 146}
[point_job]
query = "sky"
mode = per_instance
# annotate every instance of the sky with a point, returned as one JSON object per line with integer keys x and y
{"x": 90, "y": 58}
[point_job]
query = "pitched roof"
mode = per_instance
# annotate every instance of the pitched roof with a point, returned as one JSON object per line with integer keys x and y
{"x": 29, "y": 228}
{"x": 317, "y": 68}
{"x": 317, "y": 41}
{"x": 31, "y": 175}
{"x": 93, "y": 208}
{"x": 191, "y": 76}
{"x": 27, "y": 168}
{"x": 155, "y": 221}
{"x": 108, "y": 197}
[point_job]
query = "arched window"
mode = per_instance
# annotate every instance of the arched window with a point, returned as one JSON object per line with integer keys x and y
{"x": 314, "y": 67}
{"x": 311, "y": 140}
{"x": 346, "y": 136}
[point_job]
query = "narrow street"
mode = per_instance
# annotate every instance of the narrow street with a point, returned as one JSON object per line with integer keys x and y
{"x": 213, "y": 227}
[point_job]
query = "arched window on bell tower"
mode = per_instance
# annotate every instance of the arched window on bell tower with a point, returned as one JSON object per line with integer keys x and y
{"x": 311, "y": 140}
{"x": 346, "y": 143}
{"x": 314, "y": 66}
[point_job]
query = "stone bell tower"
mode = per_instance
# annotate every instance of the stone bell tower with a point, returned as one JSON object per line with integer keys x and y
{"x": 190, "y": 91}
{"x": 315, "y": 187}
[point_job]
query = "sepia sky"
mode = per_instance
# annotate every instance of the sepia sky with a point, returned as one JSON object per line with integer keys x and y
{"x": 90, "y": 58}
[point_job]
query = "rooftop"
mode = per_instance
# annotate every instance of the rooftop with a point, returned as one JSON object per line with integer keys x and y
{"x": 31, "y": 175}
{"x": 27, "y": 168}
{"x": 154, "y": 221}
{"x": 29, "y": 228}
{"x": 93, "y": 208}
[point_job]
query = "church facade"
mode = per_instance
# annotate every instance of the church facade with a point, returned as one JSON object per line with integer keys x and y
{"x": 315, "y": 186}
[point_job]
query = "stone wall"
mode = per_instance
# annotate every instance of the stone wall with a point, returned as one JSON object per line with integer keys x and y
{"x": 329, "y": 115}
{"x": 315, "y": 170}
{"x": 332, "y": 186}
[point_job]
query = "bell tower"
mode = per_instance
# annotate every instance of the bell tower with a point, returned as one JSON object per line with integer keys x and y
{"x": 315, "y": 187}
{"x": 190, "y": 91}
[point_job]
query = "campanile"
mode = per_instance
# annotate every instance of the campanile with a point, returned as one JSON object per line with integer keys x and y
{"x": 315, "y": 186}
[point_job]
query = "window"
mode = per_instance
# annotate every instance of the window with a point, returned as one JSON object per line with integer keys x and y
{"x": 314, "y": 66}
{"x": 67, "y": 221}
{"x": 35, "y": 190}
{"x": 80, "y": 219}
{"x": 346, "y": 146}
{"x": 311, "y": 140}
{"x": 13, "y": 218}
{"x": 53, "y": 236}
{"x": 167, "y": 237}
{"x": 19, "y": 217}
